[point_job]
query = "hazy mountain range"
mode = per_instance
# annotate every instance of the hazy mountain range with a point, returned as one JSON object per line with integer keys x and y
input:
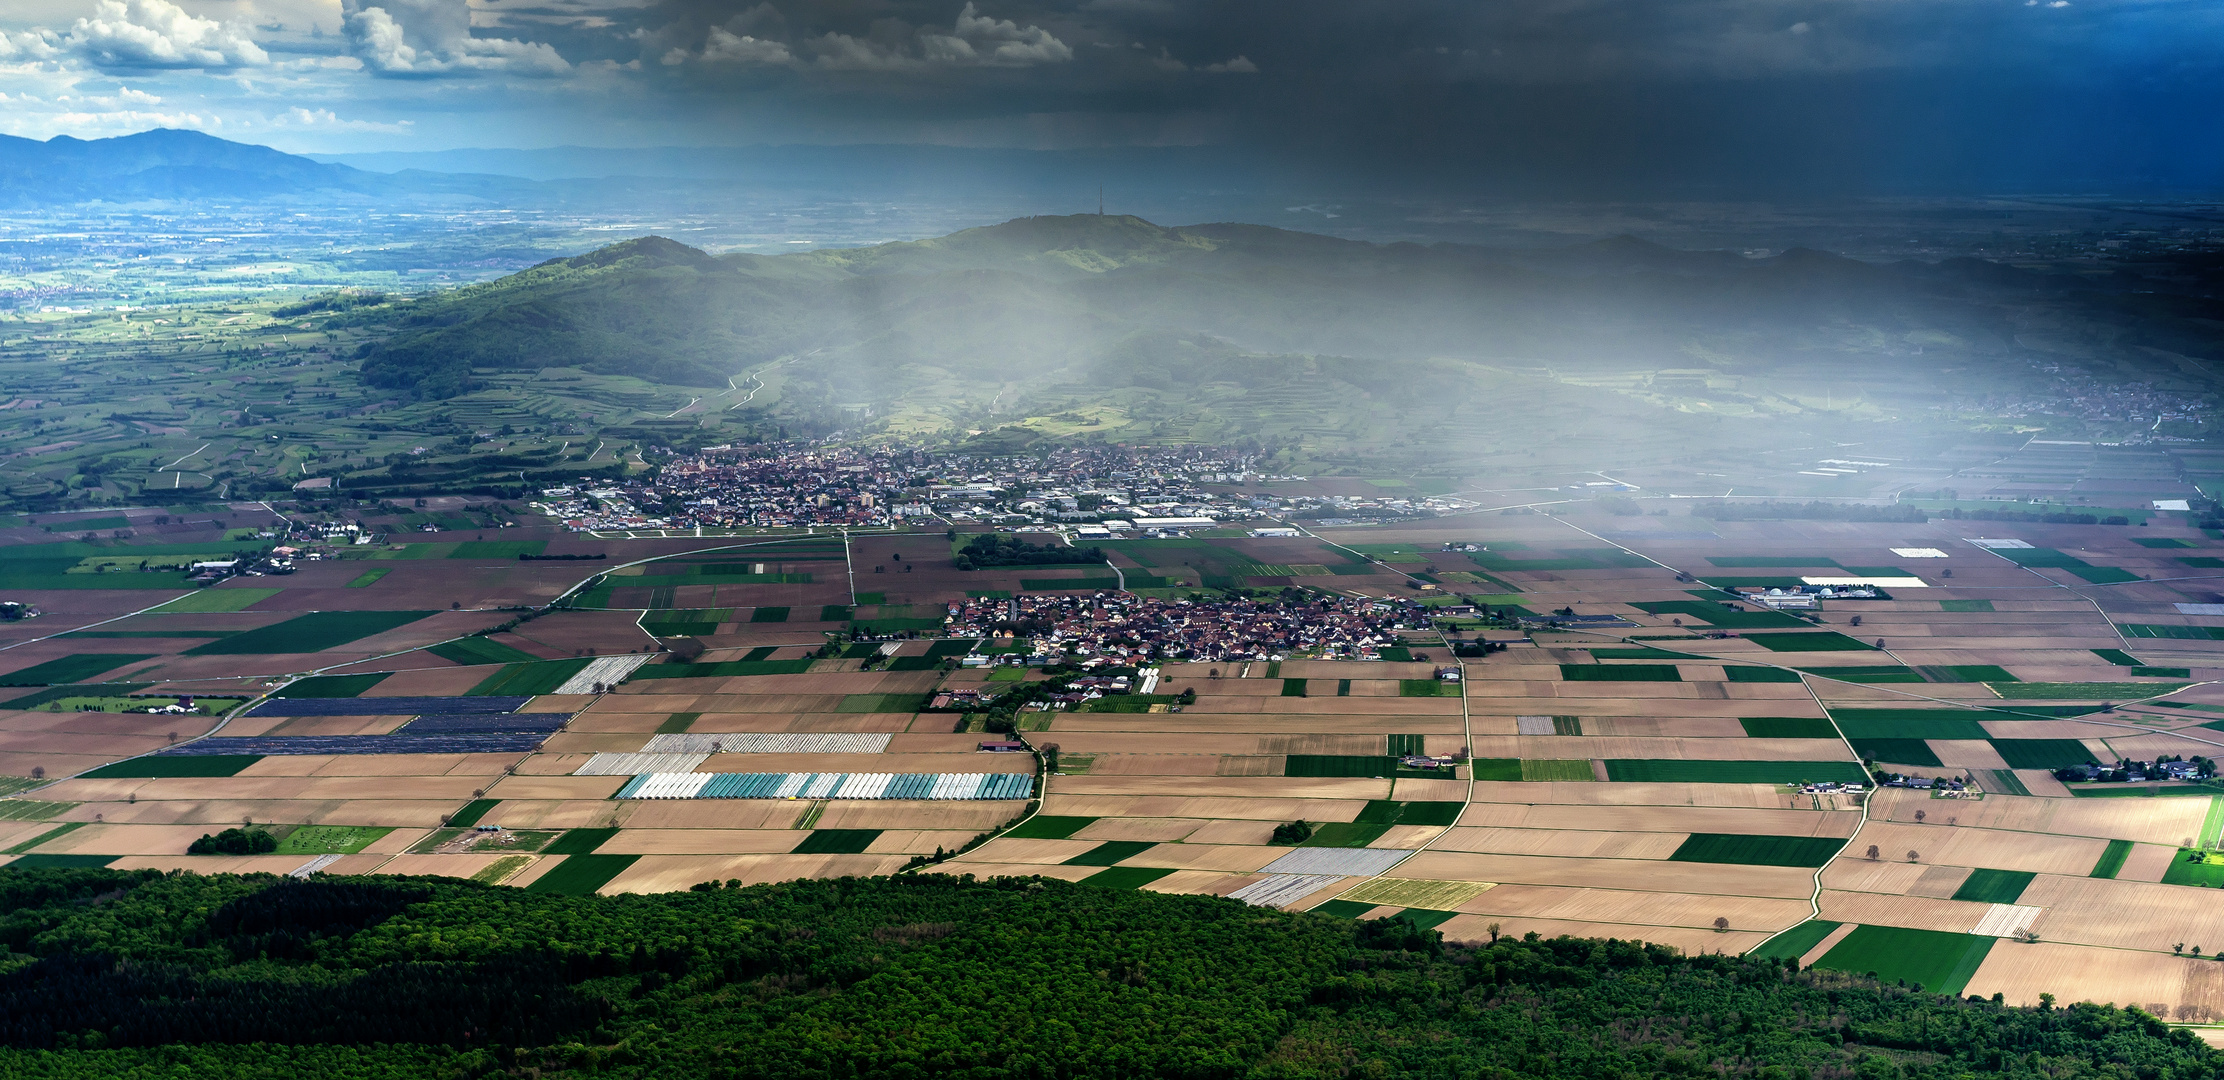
{"x": 167, "y": 165}
{"x": 1232, "y": 330}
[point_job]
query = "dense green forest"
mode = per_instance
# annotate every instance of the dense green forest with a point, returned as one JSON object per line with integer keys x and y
{"x": 144, "y": 974}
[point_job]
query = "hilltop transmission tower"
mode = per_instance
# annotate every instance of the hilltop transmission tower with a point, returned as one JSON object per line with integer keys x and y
{"x": 1100, "y": 200}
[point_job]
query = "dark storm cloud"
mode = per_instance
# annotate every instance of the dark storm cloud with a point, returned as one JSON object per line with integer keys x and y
{"x": 1723, "y": 93}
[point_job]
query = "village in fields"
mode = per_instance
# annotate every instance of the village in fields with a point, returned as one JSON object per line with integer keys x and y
{"x": 1969, "y": 754}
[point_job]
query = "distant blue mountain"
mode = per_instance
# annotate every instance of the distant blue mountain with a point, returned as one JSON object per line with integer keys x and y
{"x": 167, "y": 165}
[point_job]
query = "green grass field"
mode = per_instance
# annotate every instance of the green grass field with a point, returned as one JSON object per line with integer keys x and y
{"x": 1110, "y": 852}
{"x": 1814, "y": 641}
{"x": 1646, "y": 652}
{"x": 1994, "y": 886}
{"x": 1910, "y": 723}
{"x": 369, "y": 577}
{"x": 1941, "y": 962}
{"x": 1125, "y": 877}
{"x": 1794, "y": 943}
{"x": 1965, "y": 605}
{"x": 1742, "y": 673}
{"x": 769, "y": 615}
{"x": 1787, "y": 727}
{"x": 472, "y": 651}
{"x": 1343, "y": 909}
{"x": 54, "y": 695}
{"x": 2174, "y": 633}
{"x": 1391, "y": 812}
{"x": 1506, "y": 769}
{"x": 2085, "y": 691}
{"x": 216, "y": 599}
{"x": 1619, "y": 673}
{"x": 2042, "y": 753}
{"x": 497, "y": 549}
{"x": 169, "y": 767}
{"x": 1897, "y": 751}
{"x": 1747, "y": 850}
{"x": 579, "y": 842}
{"x": 1867, "y": 673}
{"x": 1050, "y": 827}
{"x": 1637, "y": 770}
{"x": 1967, "y": 673}
{"x": 330, "y": 839}
{"x": 581, "y": 875}
{"x": 70, "y": 669}
{"x": 836, "y": 842}
{"x": 2112, "y": 860}
{"x": 1564, "y": 770}
{"x": 1345, "y": 834}
{"x": 309, "y": 633}
{"x": 528, "y": 680}
{"x": 2191, "y": 866}
{"x": 1339, "y": 765}
{"x": 2117, "y": 657}
{"x": 106, "y": 703}
{"x": 471, "y": 813}
{"x": 332, "y": 685}
{"x": 1413, "y": 687}
{"x": 61, "y": 862}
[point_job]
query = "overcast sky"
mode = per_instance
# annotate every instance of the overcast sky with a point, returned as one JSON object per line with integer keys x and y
{"x": 1861, "y": 94}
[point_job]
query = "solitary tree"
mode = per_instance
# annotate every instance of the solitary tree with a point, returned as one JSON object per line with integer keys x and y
{"x": 1493, "y": 928}
{"x": 1721, "y": 923}
{"x": 2178, "y": 948}
{"x": 1872, "y": 852}
{"x": 1913, "y": 856}
{"x": 1919, "y": 816}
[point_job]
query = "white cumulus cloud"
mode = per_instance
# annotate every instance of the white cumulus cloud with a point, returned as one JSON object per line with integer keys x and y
{"x": 974, "y": 40}
{"x": 159, "y": 34}
{"x": 727, "y": 47}
{"x": 978, "y": 39}
{"x": 28, "y": 45}
{"x": 433, "y": 37}
{"x": 1241, "y": 65}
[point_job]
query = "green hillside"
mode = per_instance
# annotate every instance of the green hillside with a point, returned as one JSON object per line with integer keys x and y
{"x": 1114, "y": 327}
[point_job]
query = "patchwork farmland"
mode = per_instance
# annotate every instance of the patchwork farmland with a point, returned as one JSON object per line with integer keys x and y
{"x": 1562, "y": 734}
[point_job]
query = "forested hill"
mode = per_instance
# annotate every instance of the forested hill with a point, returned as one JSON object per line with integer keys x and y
{"x": 141, "y": 974}
{"x": 1038, "y": 329}
{"x": 1119, "y": 301}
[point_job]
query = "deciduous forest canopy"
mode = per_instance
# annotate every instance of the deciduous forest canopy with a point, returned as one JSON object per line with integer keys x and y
{"x": 140, "y": 973}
